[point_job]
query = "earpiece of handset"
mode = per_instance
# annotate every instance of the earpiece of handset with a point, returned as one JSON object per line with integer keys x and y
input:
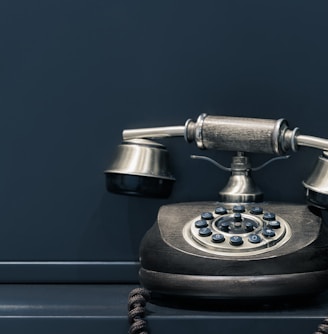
{"x": 141, "y": 168}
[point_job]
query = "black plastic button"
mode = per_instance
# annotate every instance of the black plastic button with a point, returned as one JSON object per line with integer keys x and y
{"x": 274, "y": 224}
{"x": 269, "y": 216}
{"x": 238, "y": 208}
{"x": 207, "y": 215}
{"x": 205, "y": 232}
{"x": 236, "y": 240}
{"x": 221, "y": 210}
{"x": 249, "y": 226}
{"x": 217, "y": 237}
{"x": 224, "y": 226}
{"x": 256, "y": 210}
{"x": 237, "y": 217}
{"x": 201, "y": 223}
{"x": 254, "y": 238}
{"x": 268, "y": 232}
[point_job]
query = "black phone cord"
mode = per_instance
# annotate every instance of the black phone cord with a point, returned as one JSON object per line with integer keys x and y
{"x": 137, "y": 310}
{"x": 323, "y": 327}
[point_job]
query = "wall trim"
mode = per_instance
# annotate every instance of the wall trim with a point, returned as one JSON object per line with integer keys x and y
{"x": 69, "y": 272}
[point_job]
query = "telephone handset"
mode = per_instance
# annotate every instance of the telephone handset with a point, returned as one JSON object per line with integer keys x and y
{"x": 237, "y": 247}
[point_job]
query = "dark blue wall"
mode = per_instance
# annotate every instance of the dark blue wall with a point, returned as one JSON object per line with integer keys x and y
{"x": 73, "y": 74}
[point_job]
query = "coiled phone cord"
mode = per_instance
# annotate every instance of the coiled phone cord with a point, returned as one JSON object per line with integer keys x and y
{"x": 137, "y": 310}
{"x": 323, "y": 327}
{"x": 138, "y": 299}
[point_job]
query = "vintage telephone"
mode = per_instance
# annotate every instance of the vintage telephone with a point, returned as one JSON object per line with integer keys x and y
{"x": 239, "y": 246}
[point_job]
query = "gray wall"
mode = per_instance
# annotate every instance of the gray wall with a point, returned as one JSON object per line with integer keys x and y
{"x": 75, "y": 73}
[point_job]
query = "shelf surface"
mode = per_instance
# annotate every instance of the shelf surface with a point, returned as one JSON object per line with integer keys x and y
{"x": 101, "y": 308}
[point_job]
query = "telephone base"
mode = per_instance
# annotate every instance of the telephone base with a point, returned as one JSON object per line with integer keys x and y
{"x": 177, "y": 258}
{"x": 287, "y": 286}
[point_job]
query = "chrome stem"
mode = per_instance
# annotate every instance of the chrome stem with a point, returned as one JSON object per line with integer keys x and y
{"x": 158, "y": 132}
{"x": 310, "y": 141}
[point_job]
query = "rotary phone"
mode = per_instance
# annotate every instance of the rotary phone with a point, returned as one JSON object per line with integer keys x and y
{"x": 239, "y": 246}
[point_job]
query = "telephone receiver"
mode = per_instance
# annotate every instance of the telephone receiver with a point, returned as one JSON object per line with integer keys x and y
{"x": 237, "y": 247}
